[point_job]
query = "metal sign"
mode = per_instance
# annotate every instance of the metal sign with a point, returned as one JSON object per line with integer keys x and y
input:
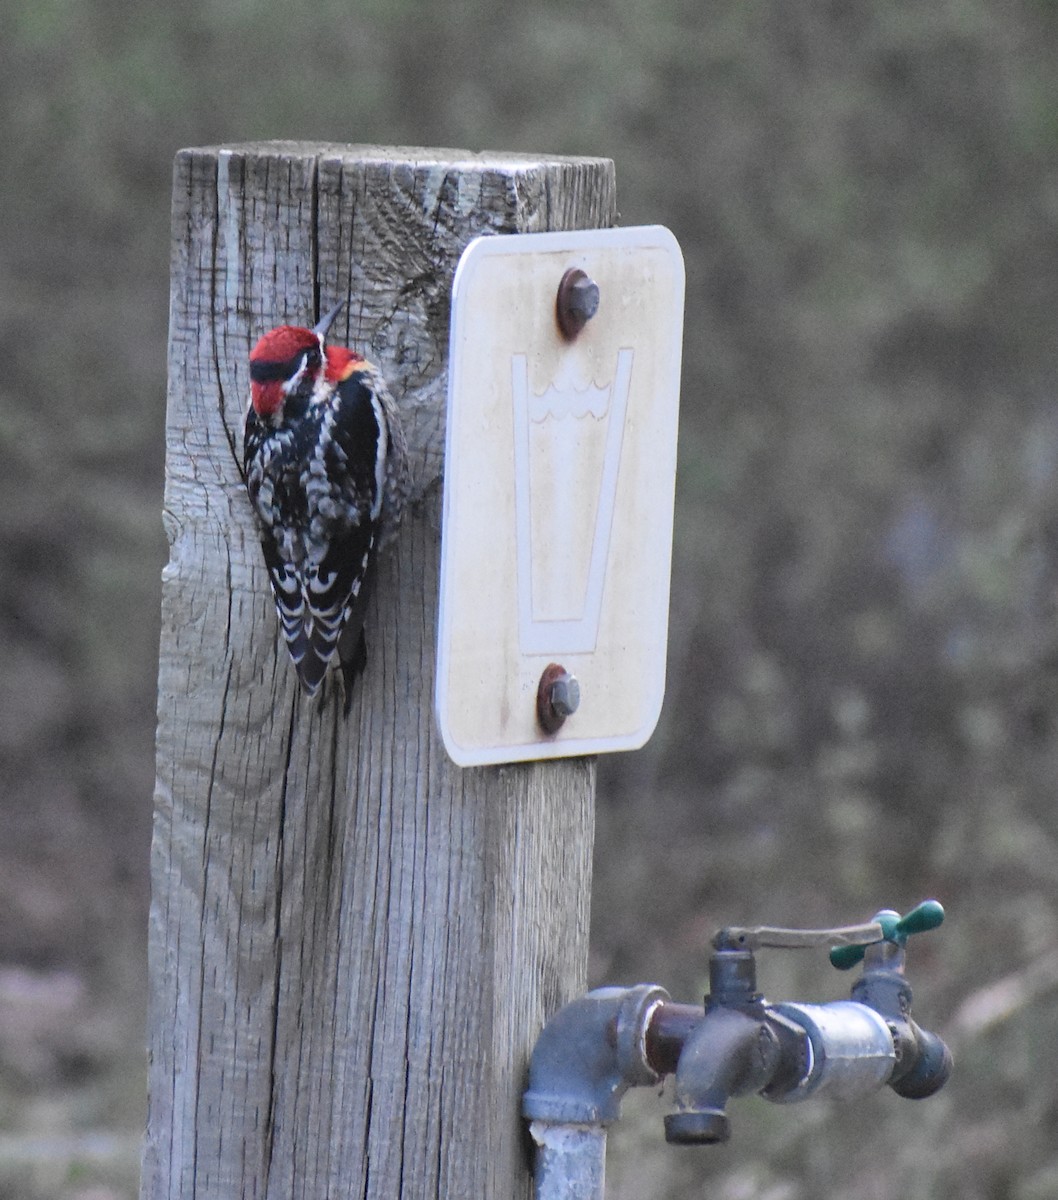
{"x": 560, "y": 469}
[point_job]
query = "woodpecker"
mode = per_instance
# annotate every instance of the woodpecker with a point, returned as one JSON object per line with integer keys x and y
{"x": 326, "y": 468}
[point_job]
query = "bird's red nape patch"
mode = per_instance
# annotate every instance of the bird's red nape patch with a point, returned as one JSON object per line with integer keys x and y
{"x": 341, "y": 363}
{"x": 283, "y": 343}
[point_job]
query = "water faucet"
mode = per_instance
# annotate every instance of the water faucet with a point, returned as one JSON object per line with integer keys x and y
{"x": 594, "y": 1049}
{"x": 791, "y": 1051}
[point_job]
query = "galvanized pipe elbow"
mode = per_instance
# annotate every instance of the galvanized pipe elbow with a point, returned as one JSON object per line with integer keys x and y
{"x": 589, "y": 1054}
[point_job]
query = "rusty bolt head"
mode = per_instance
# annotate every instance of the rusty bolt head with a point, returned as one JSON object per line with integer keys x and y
{"x": 557, "y": 697}
{"x": 577, "y": 302}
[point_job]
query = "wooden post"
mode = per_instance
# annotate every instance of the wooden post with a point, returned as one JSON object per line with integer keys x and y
{"x": 353, "y": 943}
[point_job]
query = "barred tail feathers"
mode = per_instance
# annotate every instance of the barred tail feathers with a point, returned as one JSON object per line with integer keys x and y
{"x": 321, "y": 616}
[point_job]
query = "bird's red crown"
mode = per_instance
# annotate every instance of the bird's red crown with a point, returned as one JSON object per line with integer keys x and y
{"x": 283, "y": 345}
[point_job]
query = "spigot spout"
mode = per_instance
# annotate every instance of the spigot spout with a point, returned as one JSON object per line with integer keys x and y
{"x": 730, "y": 1053}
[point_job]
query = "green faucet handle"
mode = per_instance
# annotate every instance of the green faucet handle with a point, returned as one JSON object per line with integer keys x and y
{"x": 895, "y": 928}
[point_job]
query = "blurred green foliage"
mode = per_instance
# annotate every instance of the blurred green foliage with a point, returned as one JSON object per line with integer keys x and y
{"x": 863, "y": 683}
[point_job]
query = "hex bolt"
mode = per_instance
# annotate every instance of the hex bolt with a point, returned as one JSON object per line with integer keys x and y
{"x": 557, "y": 697}
{"x": 577, "y": 302}
{"x": 565, "y": 695}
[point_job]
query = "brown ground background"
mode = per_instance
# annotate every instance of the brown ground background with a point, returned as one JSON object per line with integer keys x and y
{"x": 863, "y": 684}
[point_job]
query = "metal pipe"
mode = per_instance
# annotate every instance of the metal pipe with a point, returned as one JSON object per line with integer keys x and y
{"x": 669, "y": 1027}
{"x": 570, "y": 1161}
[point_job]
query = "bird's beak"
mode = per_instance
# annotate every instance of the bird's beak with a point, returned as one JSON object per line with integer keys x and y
{"x": 325, "y": 322}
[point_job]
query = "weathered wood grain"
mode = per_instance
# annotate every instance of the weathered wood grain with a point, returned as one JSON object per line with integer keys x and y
{"x": 353, "y": 942}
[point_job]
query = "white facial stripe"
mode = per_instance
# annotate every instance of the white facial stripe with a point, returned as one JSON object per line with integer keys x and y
{"x": 290, "y": 384}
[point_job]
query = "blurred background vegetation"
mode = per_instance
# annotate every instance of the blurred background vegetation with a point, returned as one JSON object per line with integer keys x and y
{"x": 863, "y": 687}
